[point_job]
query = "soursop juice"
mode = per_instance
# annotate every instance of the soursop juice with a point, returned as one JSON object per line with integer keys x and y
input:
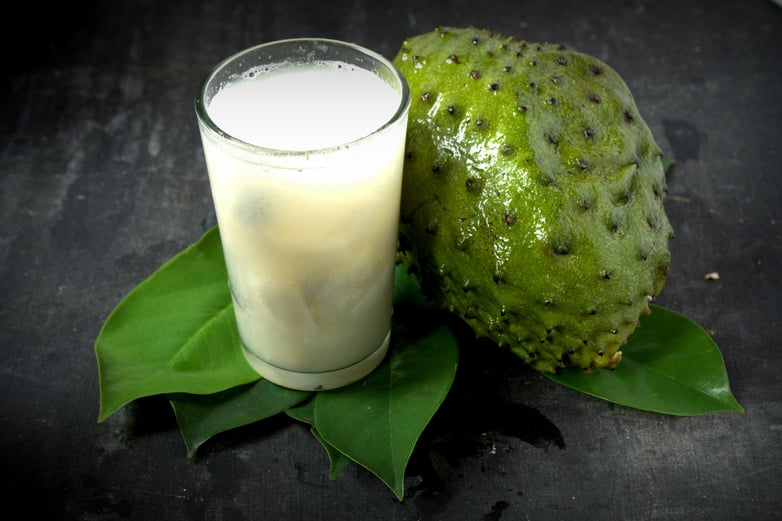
{"x": 304, "y": 145}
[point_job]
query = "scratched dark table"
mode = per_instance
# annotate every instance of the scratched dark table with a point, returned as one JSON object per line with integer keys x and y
{"x": 102, "y": 179}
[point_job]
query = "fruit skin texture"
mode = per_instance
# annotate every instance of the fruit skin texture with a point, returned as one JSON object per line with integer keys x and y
{"x": 532, "y": 202}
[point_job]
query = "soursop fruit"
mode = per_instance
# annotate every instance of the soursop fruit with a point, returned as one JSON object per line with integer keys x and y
{"x": 532, "y": 202}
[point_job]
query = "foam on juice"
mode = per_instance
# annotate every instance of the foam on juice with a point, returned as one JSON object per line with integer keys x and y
{"x": 304, "y": 108}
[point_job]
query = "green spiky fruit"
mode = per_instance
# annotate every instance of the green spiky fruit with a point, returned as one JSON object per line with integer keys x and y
{"x": 532, "y": 202}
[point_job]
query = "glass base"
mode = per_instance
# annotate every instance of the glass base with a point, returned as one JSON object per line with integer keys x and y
{"x": 319, "y": 381}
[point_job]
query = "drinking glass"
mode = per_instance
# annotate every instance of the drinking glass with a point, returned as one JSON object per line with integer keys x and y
{"x": 304, "y": 144}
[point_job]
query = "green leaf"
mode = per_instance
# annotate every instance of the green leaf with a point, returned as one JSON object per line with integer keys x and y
{"x": 377, "y": 421}
{"x": 668, "y": 163}
{"x": 306, "y": 413}
{"x": 202, "y": 416}
{"x": 670, "y": 365}
{"x": 303, "y": 412}
{"x": 174, "y": 332}
{"x": 407, "y": 293}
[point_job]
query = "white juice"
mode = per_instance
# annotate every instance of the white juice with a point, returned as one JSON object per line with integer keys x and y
{"x": 309, "y": 237}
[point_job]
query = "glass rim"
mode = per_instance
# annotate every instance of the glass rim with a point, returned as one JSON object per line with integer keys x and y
{"x": 206, "y": 120}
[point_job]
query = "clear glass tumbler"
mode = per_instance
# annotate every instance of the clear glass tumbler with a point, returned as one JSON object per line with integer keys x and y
{"x": 304, "y": 144}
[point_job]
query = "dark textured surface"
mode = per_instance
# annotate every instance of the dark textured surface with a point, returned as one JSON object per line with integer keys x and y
{"x": 102, "y": 179}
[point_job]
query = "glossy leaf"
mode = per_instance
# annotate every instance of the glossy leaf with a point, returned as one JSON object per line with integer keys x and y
{"x": 668, "y": 163}
{"x": 306, "y": 413}
{"x": 407, "y": 294}
{"x": 174, "y": 332}
{"x": 377, "y": 421}
{"x": 202, "y": 416}
{"x": 670, "y": 365}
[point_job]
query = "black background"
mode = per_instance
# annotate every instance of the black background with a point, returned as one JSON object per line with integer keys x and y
{"x": 102, "y": 179}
